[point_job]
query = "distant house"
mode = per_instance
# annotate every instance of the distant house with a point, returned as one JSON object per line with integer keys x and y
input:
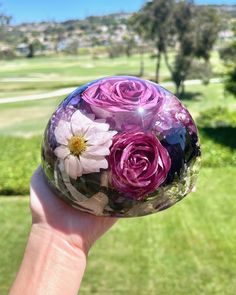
{"x": 22, "y": 48}
{"x": 226, "y": 35}
{"x": 62, "y": 45}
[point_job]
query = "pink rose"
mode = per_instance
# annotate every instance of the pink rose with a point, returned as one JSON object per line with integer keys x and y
{"x": 123, "y": 94}
{"x": 139, "y": 164}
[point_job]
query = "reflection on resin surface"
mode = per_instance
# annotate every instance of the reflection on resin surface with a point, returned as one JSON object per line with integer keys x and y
{"x": 121, "y": 146}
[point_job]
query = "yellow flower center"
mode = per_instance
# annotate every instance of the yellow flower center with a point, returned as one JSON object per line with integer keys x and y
{"x": 77, "y": 145}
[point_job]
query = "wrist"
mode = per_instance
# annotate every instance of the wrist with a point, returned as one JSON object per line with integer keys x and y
{"x": 57, "y": 239}
{"x": 51, "y": 265}
{"x": 69, "y": 241}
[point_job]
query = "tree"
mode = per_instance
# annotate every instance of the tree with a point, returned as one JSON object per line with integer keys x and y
{"x": 228, "y": 54}
{"x": 183, "y": 26}
{"x": 33, "y": 44}
{"x": 196, "y": 30}
{"x": 207, "y": 26}
{"x": 135, "y": 25}
{"x": 4, "y": 20}
{"x": 188, "y": 29}
{"x": 115, "y": 49}
{"x": 72, "y": 47}
{"x": 4, "y": 23}
{"x": 230, "y": 83}
{"x": 5, "y": 52}
{"x": 129, "y": 43}
{"x": 155, "y": 19}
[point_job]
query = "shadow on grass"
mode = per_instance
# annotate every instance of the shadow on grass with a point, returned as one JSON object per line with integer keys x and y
{"x": 11, "y": 192}
{"x": 223, "y": 135}
{"x": 190, "y": 95}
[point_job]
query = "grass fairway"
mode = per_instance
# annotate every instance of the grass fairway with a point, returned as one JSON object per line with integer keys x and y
{"x": 53, "y": 72}
{"x": 188, "y": 249}
{"x": 26, "y": 118}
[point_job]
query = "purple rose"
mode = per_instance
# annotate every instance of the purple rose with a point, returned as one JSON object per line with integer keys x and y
{"x": 123, "y": 94}
{"x": 129, "y": 102}
{"x": 139, "y": 164}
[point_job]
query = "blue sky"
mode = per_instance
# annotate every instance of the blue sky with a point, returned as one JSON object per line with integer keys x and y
{"x": 38, "y": 10}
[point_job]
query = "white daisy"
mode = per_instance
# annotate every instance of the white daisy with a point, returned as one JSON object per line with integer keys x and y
{"x": 84, "y": 144}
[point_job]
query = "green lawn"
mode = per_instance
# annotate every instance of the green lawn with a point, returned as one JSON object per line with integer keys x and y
{"x": 75, "y": 67}
{"x": 26, "y": 118}
{"x": 187, "y": 249}
{"x": 66, "y": 71}
{"x": 14, "y": 89}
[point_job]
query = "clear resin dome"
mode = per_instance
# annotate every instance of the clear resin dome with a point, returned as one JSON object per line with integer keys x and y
{"x": 121, "y": 146}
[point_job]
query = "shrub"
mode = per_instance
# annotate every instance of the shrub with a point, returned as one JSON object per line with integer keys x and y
{"x": 217, "y": 117}
{"x": 200, "y": 70}
{"x": 217, "y": 128}
{"x": 230, "y": 83}
{"x": 19, "y": 158}
{"x": 6, "y": 53}
{"x": 215, "y": 151}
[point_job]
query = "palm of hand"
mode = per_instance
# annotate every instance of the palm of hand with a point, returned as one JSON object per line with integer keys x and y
{"x": 48, "y": 211}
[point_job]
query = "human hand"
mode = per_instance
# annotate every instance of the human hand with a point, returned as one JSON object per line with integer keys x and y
{"x": 50, "y": 213}
{"x": 60, "y": 238}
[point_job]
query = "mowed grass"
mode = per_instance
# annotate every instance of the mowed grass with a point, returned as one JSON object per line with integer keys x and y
{"x": 76, "y": 67}
{"x": 15, "y": 89}
{"x": 27, "y": 118}
{"x": 54, "y": 72}
{"x": 187, "y": 249}
{"x": 86, "y": 65}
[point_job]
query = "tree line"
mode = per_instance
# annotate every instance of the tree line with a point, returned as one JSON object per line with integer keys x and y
{"x": 228, "y": 55}
{"x": 180, "y": 33}
{"x": 186, "y": 30}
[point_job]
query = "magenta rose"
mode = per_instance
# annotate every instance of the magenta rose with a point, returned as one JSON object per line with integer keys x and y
{"x": 123, "y": 94}
{"x": 138, "y": 164}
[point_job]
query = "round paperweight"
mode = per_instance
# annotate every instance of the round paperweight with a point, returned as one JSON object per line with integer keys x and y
{"x": 122, "y": 147}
